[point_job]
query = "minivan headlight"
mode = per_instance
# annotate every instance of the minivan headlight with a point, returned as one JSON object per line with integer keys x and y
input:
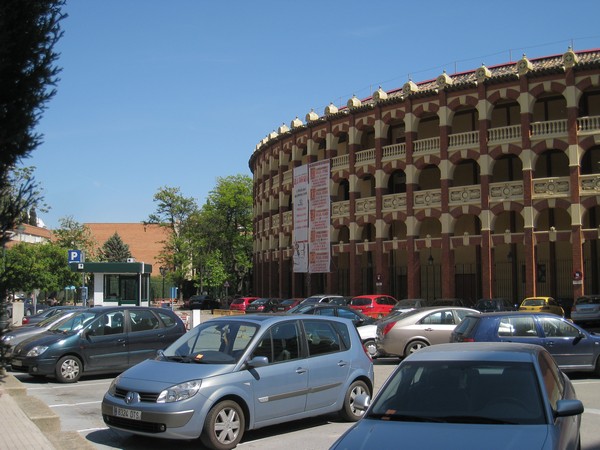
{"x": 179, "y": 392}
{"x": 37, "y": 350}
{"x": 112, "y": 389}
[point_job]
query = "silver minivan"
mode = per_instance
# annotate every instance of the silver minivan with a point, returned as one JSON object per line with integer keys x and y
{"x": 238, "y": 373}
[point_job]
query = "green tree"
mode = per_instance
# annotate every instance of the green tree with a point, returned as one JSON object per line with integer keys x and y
{"x": 29, "y": 30}
{"x": 74, "y": 235}
{"x": 29, "y": 267}
{"x": 173, "y": 212}
{"x": 226, "y": 225}
{"x": 114, "y": 250}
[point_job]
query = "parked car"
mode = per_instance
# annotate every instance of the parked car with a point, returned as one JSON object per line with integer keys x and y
{"x": 573, "y": 348}
{"x": 376, "y": 305}
{"x": 497, "y": 395}
{"x": 368, "y": 332}
{"x": 324, "y": 298}
{"x": 493, "y": 304}
{"x": 263, "y": 305}
{"x": 29, "y": 308}
{"x": 542, "y": 304}
{"x": 241, "y": 303}
{"x": 419, "y": 328}
{"x": 586, "y": 309}
{"x": 359, "y": 320}
{"x": 447, "y": 302}
{"x": 48, "y": 312}
{"x": 97, "y": 340}
{"x": 17, "y": 335}
{"x": 287, "y": 304}
{"x": 238, "y": 373}
{"x": 409, "y": 304}
{"x": 203, "y": 302}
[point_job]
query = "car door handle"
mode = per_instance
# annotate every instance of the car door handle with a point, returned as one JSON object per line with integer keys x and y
{"x": 120, "y": 341}
{"x": 549, "y": 343}
{"x": 428, "y": 329}
{"x": 301, "y": 370}
{"x": 342, "y": 363}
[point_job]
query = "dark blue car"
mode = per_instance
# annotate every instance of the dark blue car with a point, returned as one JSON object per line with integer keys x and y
{"x": 573, "y": 348}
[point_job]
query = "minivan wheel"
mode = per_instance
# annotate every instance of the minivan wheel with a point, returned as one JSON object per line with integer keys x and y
{"x": 224, "y": 426}
{"x": 349, "y": 412}
{"x": 415, "y": 346}
{"x": 68, "y": 369}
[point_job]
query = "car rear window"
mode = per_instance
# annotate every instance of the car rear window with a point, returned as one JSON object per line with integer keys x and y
{"x": 467, "y": 325}
{"x": 238, "y": 301}
{"x": 534, "y": 302}
{"x": 588, "y": 301}
{"x": 360, "y": 301}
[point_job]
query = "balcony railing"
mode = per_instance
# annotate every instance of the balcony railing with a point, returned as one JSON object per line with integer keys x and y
{"x": 365, "y": 206}
{"x": 429, "y": 145}
{"x": 464, "y": 195}
{"x": 502, "y": 135}
{"x": 550, "y": 187}
{"x": 588, "y": 125}
{"x": 428, "y": 199}
{"x": 288, "y": 219}
{"x": 340, "y": 209}
{"x": 394, "y": 202}
{"x": 470, "y": 139}
{"x": 339, "y": 162}
{"x": 394, "y": 151}
{"x": 549, "y": 128}
{"x": 506, "y": 190}
{"x": 365, "y": 157}
{"x": 590, "y": 184}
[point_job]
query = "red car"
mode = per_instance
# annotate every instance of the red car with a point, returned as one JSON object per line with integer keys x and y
{"x": 240, "y": 304}
{"x": 376, "y": 305}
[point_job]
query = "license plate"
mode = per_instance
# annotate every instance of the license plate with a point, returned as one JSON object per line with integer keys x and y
{"x": 127, "y": 413}
{"x": 16, "y": 363}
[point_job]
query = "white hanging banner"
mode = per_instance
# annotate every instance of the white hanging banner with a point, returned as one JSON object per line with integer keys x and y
{"x": 300, "y": 234}
{"x": 319, "y": 217}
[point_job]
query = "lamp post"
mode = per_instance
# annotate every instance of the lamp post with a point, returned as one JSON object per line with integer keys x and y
{"x": 163, "y": 273}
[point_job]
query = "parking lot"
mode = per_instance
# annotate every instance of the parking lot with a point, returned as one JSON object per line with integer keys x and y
{"x": 78, "y": 406}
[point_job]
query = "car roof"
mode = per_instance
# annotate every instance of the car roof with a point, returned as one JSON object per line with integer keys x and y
{"x": 260, "y": 318}
{"x": 514, "y": 313}
{"x": 482, "y": 351}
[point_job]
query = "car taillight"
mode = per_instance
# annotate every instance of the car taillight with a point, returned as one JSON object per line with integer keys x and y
{"x": 467, "y": 340}
{"x": 367, "y": 352}
{"x": 388, "y": 327}
{"x": 25, "y": 320}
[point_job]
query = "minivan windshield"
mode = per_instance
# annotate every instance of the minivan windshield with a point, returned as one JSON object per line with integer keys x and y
{"x": 75, "y": 323}
{"x": 213, "y": 342}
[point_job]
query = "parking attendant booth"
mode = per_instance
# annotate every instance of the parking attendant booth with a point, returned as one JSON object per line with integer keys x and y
{"x": 118, "y": 284}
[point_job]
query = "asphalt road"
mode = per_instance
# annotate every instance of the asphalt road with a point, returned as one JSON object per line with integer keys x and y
{"x": 78, "y": 406}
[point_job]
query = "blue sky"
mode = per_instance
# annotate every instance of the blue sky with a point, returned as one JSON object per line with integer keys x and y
{"x": 156, "y": 93}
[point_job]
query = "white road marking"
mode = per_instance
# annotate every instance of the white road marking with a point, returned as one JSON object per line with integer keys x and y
{"x": 75, "y": 404}
{"x": 592, "y": 411}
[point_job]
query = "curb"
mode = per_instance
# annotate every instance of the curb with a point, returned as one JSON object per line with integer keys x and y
{"x": 44, "y": 418}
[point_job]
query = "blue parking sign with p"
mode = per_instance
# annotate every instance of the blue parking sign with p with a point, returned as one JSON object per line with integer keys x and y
{"x": 75, "y": 256}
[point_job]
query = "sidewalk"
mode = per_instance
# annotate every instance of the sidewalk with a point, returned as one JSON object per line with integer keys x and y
{"x": 27, "y": 423}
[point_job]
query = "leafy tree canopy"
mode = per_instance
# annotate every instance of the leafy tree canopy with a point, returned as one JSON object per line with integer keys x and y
{"x": 74, "y": 235}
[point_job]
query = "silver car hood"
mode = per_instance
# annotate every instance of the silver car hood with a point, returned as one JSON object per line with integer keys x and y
{"x": 369, "y": 434}
{"x": 155, "y": 374}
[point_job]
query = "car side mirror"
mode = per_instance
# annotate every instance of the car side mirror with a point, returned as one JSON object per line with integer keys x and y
{"x": 362, "y": 402}
{"x": 258, "y": 361}
{"x": 565, "y": 408}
